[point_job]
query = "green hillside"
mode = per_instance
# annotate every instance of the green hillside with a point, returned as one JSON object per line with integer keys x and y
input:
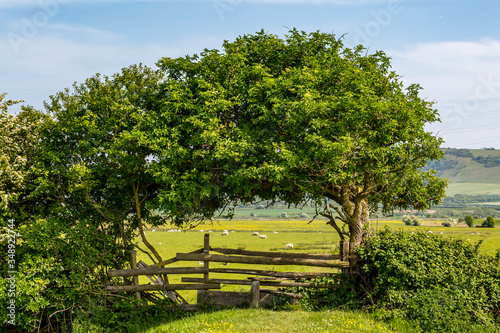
{"x": 470, "y": 171}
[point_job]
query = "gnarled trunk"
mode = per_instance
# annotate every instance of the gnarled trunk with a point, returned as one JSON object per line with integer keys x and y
{"x": 354, "y": 212}
{"x": 357, "y": 225}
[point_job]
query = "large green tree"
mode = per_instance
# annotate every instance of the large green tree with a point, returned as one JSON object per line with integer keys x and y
{"x": 94, "y": 148}
{"x": 75, "y": 182}
{"x": 307, "y": 118}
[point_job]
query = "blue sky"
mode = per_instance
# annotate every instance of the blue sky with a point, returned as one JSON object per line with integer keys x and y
{"x": 451, "y": 48}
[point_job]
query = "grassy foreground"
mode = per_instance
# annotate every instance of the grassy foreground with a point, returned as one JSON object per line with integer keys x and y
{"x": 251, "y": 320}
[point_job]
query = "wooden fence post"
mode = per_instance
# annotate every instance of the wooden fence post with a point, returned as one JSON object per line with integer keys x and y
{"x": 255, "y": 293}
{"x": 133, "y": 265}
{"x": 344, "y": 252}
{"x": 206, "y": 250}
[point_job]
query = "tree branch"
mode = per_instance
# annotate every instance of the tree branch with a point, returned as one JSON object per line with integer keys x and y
{"x": 139, "y": 223}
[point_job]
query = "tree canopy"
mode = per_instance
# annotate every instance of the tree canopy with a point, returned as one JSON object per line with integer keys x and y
{"x": 306, "y": 118}
{"x": 95, "y": 149}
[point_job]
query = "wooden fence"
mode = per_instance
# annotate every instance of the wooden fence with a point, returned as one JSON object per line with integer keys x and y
{"x": 158, "y": 274}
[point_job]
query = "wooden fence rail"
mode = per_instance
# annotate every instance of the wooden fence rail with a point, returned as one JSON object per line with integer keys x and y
{"x": 260, "y": 260}
{"x": 165, "y": 287}
{"x": 290, "y": 275}
{"x": 274, "y": 283}
{"x": 238, "y": 256}
{"x": 157, "y": 271}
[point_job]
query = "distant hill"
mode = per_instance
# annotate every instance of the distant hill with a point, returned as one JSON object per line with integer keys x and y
{"x": 470, "y": 171}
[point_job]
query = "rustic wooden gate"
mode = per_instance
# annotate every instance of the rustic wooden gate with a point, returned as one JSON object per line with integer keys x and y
{"x": 257, "y": 279}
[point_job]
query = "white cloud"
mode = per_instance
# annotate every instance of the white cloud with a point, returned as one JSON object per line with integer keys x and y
{"x": 450, "y": 70}
{"x": 62, "y": 54}
{"x": 83, "y": 30}
{"x": 464, "y": 79}
{"x": 453, "y": 56}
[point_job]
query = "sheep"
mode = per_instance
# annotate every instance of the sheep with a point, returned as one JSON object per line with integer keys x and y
{"x": 225, "y": 233}
{"x": 255, "y": 234}
{"x": 263, "y": 236}
{"x": 275, "y": 232}
{"x": 289, "y": 246}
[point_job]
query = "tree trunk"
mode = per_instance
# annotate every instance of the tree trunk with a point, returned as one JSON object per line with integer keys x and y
{"x": 357, "y": 225}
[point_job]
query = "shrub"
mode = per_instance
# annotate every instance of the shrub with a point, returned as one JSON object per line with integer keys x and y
{"x": 449, "y": 223}
{"x": 469, "y": 220}
{"x": 411, "y": 220}
{"x": 440, "y": 284}
{"x": 407, "y": 219}
{"x": 489, "y": 223}
{"x": 61, "y": 267}
{"x": 430, "y": 278}
{"x": 448, "y": 310}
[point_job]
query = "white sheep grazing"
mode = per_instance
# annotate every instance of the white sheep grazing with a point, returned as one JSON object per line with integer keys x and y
{"x": 225, "y": 233}
{"x": 255, "y": 234}
{"x": 289, "y": 246}
{"x": 263, "y": 236}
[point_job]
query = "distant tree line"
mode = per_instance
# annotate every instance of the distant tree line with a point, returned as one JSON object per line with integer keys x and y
{"x": 458, "y": 152}
{"x": 488, "y": 161}
{"x": 464, "y": 199}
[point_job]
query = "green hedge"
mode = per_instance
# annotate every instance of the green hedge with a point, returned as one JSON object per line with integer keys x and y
{"x": 440, "y": 284}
